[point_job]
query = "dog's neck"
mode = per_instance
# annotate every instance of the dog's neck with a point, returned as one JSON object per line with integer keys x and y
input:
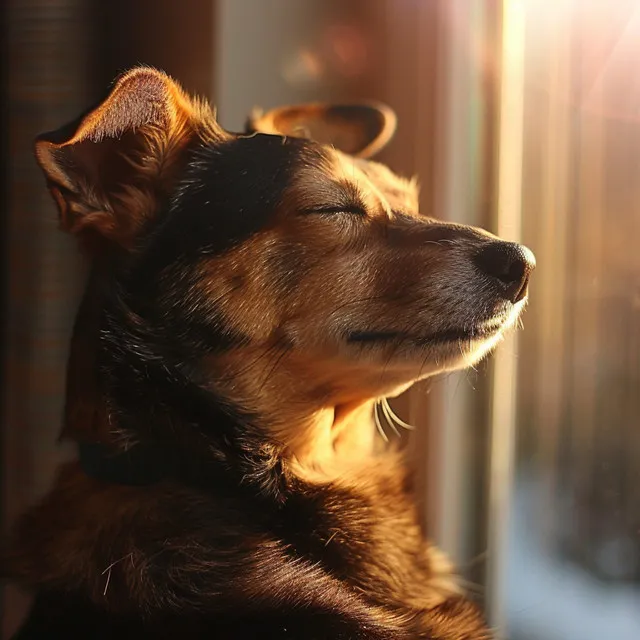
{"x": 319, "y": 420}
{"x": 322, "y": 414}
{"x": 331, "y": 441}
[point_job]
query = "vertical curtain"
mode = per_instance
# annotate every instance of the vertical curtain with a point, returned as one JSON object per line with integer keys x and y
{"x": 46, "y": 76}
{"x": 60, "y": 57}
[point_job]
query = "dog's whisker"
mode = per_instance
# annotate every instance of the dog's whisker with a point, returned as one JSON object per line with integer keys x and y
{"x": 376, "y": 418}
{"x": 388, "y": 420}
{"x": 394, "y": 416}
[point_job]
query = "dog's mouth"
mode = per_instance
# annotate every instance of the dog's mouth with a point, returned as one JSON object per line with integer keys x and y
{"x": 480, "y": 331}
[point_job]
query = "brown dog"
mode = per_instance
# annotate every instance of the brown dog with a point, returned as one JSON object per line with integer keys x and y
{"x": 252, "y": 297}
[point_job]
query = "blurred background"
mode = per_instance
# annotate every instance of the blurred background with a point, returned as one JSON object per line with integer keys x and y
{"x": 519, "y": 116}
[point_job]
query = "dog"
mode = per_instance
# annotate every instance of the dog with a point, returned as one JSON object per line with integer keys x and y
{"x": 252, "y": 297}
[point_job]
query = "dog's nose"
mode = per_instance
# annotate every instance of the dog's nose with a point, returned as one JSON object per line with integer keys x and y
{"x": 509, "y": 263}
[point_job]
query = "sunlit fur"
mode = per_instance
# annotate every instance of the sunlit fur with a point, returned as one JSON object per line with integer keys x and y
{"x": 252, "y": 298}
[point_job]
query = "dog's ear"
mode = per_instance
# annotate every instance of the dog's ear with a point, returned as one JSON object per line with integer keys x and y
{"x": 109, "y": 169}
{"x": 357, "y": 129}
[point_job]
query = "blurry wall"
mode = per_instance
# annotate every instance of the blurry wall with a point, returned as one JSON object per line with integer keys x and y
{"x": 269, "y": 54}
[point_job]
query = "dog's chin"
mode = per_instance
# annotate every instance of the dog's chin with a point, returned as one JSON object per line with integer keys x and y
{"x": 468, "y": 352}
{"x": 437, "y": 352}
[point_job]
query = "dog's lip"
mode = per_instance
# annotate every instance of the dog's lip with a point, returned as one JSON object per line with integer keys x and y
{"x": 457, "y": 335}
{"x": 480, "y": 331}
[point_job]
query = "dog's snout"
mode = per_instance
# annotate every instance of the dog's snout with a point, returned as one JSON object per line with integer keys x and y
{"x": 509, "y": 263}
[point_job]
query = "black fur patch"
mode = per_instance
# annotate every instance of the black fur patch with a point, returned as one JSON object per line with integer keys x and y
{"x": 229, "y": 192}
{"x": 156, "y": 391}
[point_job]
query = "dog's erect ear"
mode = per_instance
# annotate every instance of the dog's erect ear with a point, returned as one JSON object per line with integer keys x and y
{"x": 357, "y": 129}
{"x": 109, "y": 170}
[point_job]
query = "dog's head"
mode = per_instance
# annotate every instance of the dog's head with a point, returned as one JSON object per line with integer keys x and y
{"x": 282, "y": 249}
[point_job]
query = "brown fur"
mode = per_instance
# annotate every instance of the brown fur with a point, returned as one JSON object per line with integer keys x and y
{"x": 252, "y": 360}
